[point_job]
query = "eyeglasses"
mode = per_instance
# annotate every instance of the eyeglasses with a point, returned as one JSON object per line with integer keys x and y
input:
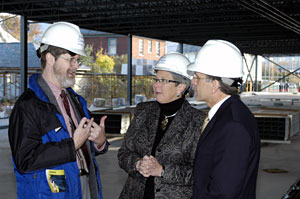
{"x": 164, "y": 81}
{"x": 72, "y": 60}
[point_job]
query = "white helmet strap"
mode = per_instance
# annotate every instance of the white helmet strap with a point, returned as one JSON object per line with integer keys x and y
{"x": 44, "y": 48}
{"x": 236, "y": 82}
{"x": 227, "y": 80}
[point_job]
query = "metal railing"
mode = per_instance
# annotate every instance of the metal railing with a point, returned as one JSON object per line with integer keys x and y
{"x": 111, "y": 88}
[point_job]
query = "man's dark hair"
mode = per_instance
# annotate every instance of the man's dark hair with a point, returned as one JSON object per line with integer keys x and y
{"x": 225, "y": 88}
{"x": 55, "y": 51}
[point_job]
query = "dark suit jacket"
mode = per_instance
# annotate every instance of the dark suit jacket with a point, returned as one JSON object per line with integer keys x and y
{"x": 227, "y": 155}
{"x": 176, "y": 151}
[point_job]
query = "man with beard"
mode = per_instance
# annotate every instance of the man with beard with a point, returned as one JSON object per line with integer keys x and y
{"x": 51, "y": 134}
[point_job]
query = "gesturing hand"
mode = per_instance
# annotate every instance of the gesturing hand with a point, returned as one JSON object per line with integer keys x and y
{"x": 97, "y": 132}
{"x": 82, "y": 132}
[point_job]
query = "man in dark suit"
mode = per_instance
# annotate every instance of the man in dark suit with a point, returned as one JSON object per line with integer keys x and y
{"x": 228, "y": 150}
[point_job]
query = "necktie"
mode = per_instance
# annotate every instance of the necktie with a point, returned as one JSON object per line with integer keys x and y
{"x": 83, "y": 151}
{"x": 205, "y": 122}
{"x": 64, "y": 97}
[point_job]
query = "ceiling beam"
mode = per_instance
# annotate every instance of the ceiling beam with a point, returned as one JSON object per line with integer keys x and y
{"x": 268, "y": 11}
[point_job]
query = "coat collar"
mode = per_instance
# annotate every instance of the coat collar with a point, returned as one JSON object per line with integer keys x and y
{"x": 219, "y": 112}
{"x": 151, "y": 113}
{"x": 39, "y": 90}
{"x": 36, "y": 87}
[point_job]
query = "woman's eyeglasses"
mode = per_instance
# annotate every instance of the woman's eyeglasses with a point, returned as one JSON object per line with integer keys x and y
{"x": 164, "y": 81}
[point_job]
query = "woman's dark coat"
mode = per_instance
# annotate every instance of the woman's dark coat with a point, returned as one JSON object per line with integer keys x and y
{"x": 176, "y": 151}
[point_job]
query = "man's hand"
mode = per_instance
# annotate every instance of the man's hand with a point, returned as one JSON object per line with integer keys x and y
{"x": 82, "y": 132}
{"x": 97, "y": 132}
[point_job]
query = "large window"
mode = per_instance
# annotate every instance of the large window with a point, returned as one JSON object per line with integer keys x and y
{"x": 112, "y": 46}
{"x": 141, "y": 47}
{"x": 149, "y": 46}
{"x": 157, "y": 49}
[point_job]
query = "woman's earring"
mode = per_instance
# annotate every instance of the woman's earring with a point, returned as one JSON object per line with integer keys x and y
{"x": 178, "y": 94}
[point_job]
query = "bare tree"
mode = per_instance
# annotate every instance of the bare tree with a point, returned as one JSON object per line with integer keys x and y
{"x": 12, "y": 24}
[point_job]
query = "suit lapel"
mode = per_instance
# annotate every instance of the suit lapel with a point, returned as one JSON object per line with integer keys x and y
{"x": 218, "y": 114}
{"x": 207, "y": 129}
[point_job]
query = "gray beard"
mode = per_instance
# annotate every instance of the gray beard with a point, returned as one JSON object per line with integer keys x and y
{"x": 65, "y": 82}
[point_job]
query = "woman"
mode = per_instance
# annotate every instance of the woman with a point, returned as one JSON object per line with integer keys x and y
{"x": 159, "y": 147}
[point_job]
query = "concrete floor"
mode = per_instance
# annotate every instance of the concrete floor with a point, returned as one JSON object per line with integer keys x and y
{"x": 269, "y": 185}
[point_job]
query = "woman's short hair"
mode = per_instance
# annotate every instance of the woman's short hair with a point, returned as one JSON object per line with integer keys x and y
{"x": 183, "y": 80}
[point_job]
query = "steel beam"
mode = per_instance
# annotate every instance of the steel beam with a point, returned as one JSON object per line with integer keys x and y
{"x": 24, "y": 54}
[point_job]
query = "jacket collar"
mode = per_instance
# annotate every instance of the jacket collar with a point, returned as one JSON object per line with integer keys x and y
{"x": 216, "y": 107}
{"x": 34, "y": 84}
{"x": 179, "y": 122}
{"x": 217, "y": 115}
{"x": 37, "y": 88}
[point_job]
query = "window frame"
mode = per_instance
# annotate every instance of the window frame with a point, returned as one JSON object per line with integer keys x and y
{"x": 157, "y": 45}
{"x": 149, "y": 46}
{"x": 141, "y": 47}
{"x": 109, "y": 46}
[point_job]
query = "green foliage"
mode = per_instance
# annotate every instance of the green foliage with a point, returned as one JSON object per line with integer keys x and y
{"x": 143, "y": 86}
{"x": 89, "y": 59}
{"x": 104, "y": 63}
{"x": 109, "y": 86}
{"x": 119, "y": 60}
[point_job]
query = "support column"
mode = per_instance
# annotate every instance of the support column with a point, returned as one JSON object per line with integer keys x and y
{"x": 180, "y": 48}
{"x": 129, "y": 71}
{"x": 24, "y": 54}
{"x": 256, "y": 65}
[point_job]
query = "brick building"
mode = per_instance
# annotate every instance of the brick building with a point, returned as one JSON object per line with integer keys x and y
{"x": 145, "y": 51}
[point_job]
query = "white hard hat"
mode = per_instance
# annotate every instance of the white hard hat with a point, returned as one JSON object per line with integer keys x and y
{"x": 218, "y": 58}
{"x": 174, "y": 62}
{"x": 64, "y": 35}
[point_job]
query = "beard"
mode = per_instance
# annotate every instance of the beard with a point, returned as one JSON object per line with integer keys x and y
{"x": 63, "y": 78}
